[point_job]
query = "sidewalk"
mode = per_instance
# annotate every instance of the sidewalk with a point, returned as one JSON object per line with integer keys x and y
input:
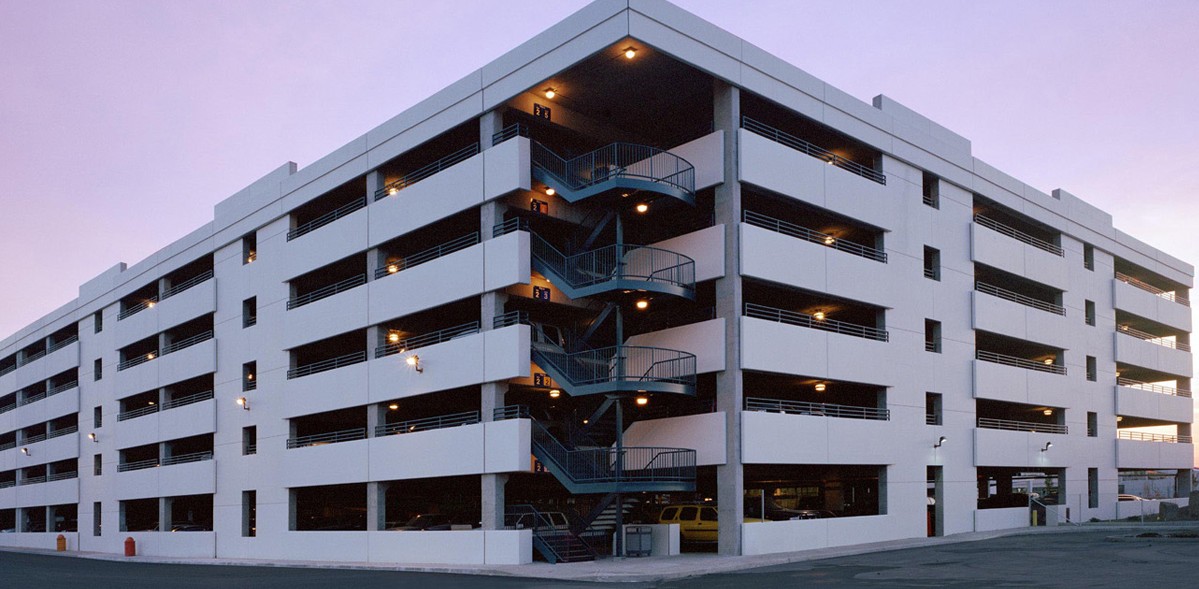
{"x": 638, "y": 570}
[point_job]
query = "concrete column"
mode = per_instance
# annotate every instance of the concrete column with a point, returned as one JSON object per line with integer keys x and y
{"x": 164, "y": 514}
{"x": 373, "y": 262}
{"x": 730, "y": 477}
{"x": 291, "y": 503}
{"x": 493, "y": 501}
{"x": 164, "y": 284}
{"x": 374, "y": 338}
{"x": 376, "y": 506}
{"x": 490, "y": 215}
{"x": 376, "y": 415}
{"x": 490, "y": 123}
{"x": 374, "y": 181}
{"x": 491, "y": 396}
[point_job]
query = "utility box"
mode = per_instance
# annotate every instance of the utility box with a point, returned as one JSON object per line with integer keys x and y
{"x": 638, "y": 540}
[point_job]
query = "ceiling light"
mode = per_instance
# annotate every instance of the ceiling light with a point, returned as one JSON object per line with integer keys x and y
{"x": 630, "y": 52}
{"x": 1119, "y": 418}
{"x": 1048, "y": 412}
{"x": 820, "y": 387}
{"x": 818, "y": 315}
{"x": 150, "y": 304}
{"x": 549, "y": 93}
{"x": 393, "y": 190}
{"x": 150, "y": 356}
{"x": 393, "y": 337}
{"x": 393, "y": 406}
{"x": 550, "y": 191}
{"x": 642, "y": 208}
{"x": 151, "y": 403}
{"x": 555, "y": 393}
{"x": 829, "y": 240}
{"x": 1048, "y": 361}
{"x": 250, "y": 258}
{"x": 642, "y": 305}
{"x": 393, "y": 268}
{"x": 642, "y": 401}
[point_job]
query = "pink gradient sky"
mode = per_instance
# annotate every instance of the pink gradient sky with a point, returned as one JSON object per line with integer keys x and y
{"x": 122, "y": 123}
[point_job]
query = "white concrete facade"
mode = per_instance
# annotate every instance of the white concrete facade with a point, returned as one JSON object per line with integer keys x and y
{"x": 907, "y": 322}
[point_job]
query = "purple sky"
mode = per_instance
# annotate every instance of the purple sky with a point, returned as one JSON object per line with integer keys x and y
{"x": 122, "y": 123}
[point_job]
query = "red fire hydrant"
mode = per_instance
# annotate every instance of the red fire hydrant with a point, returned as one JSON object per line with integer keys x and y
{"x": 130, "y": 547}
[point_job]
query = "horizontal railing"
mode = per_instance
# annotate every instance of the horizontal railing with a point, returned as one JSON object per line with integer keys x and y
{"x": 1145, "y": 286}
{"x": 621, "y": 364}
{"x": 34, "y": 356}
{"x": 136, "y": 308}
{"x": 8, "y": 369}
{"x": 804, "y": 320}
{"x": 1018, "y": 362}
{"x": 449, "y": 247}
{"x": 617, "y": 262}
{"x": 1148, "y": 437}
{"x": 8, "y": 407}
{"x": 250, "y": 449}
{"x": 513, "y": 130}
{"x": 1153, "y": 388}
{"x": 65, "y": 431}
{"x": 187, "y": 400}
{"x": 8, "y": 484}
{"x": 62, "y": 476}
{"x": 932, "y": 419}
{"x": 136, "y": 360}
{"x": 428, "y": 423}
{"x": 8, "y": 445}
{"x": 330, "y": 364}
{"x": 139, "y": 412}
{"x": 250, "y": 321}
{"x": 37, "y": 480}
{"x": 1018, "y": 298}
{"x": 66, "y": 386}
{"x": 509, "y": 412}
{"x": 187, "y": 342}
{"x": 58, "y": 345}
{"x": 616, "y": 465}
{"x": 799, "y": 232}
{"x": 325, "y": 292}
{"x": 425, "y": 171}
{"x": 509, "y": 226}
{"x": 248, "y": 385}
{"x": 1165, "y": 341}
{"x": 815, "y": 151}
{"x": 613, "y": 161}
{"x": 1018, "y": 235}
{"x": 34, "y": 439}
{"x": 187, "y": 458}
{"x": 933, "y": 346}
{"x": 1022, "y": 426}
{"x": 815, "y": 409}
{"x": 932, "y": 273}
{"x": 510, "y": 318}
{"x": 345, "y": 435}
{"x": 137, "y": 465}
{"x": 427, "y": 339}
{"x": 342, "y": 211}
{"x": 32, "y": 398}
{"x": 186, "y": 284}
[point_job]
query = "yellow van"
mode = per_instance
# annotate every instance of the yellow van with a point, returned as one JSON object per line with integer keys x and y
{"x": 697, "y": 523}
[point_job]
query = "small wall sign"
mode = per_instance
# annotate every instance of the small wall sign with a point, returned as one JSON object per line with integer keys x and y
{"x": 541, "y": 111}
{"x": 541, "y": 293}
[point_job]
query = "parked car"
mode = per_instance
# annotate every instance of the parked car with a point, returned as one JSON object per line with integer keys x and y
{"x": 1126, "y": 497}
{"x": 697, "y": 523}
{"x": 557, "y": 521}
{"x": 188, "y": 527}
{"x": 425, "y": 522}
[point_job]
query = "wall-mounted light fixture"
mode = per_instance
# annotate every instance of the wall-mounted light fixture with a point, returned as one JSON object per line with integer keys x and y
{"x": 414, "y": 362}
{"x": 1048, "y": 445}
{"x": 92, "y": 437}
{"x": 243, "y": 403}
{"x": 630, "y": 52}
{"x": 25, "y": 451}
{"x": 550, "y": 94}
{"x": 550, "y": 191}
{"x": 940, "y": 442}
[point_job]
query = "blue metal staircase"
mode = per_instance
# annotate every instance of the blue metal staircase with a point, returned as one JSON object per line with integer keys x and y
{"x": 551, "y": 541}
{"x": 614, "y": 369}
{"x": 617, "y": 167}
{"x": 615, "y": 268}
{"x": 629, "y": 469}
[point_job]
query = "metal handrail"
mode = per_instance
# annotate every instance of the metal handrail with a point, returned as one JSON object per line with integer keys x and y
{"x": 932, "y": 273}
{"x": 815, "y": 409}
{"x": 34, "y": 439}
{"x": 325, "y": 219}
{"x": 509, "y": 226}
{"x": 510, "y": 318}
{"x": 250, "y": 449}
{"x": 428, "y": 423}
{"x": 62, "y": 476}
{"x": 427, "y": 339}
{"x": 509, "y": 412}
{"x": 31, "y": 399}
{"x": 186, "y": 284}
{"x": 137, "y": 465}
{"x": 37, "y": 480}
{"x": 8, "y": 484}
{"x": 425, "y": 171}
{"x": 345, "y": 435}
{"x": 9, "y": 407}
{"x": 1145, "y": 286}
{"x": 815, "y": 151}
{"x": 187, "y": 400}
{"x": 66, "y": 431}
{"x": 616, "y": 465}
{"x": 329, "y": 364}
{"x": 187, "y": 342}
{"x": 326, "y": 291}
{"x": 617, "y": 261}
{"x": 1022, "y": 426}
{"x": 9, "y": 368}
{"x": 620, "y": 364}
{"x": 66, "y": 386}
{"x": 612, "y": 161}
{"x": 248, "y": 385}
{"x": 1148, "y": 437}
{"x": 513, "y": 130}
{"x": 1018, "y": 298}
{"x": 250, "y": 321}
{"x": 138, "y": 308}
{"x": 56, "y": 346}
{"x": 34, "y": 356}
{"x": 136, "y": 360}
{"x": 139, "y": 412}
{"x": 804, "y": 320}
{"x": 809, "y": 235}
{"x": 932, "y": 346}
{"x": 1153, "y": 388}
{"x": 1018, "y": 362}
{"x": 1018, "y": 235}
{"x": 1161, "y": 340}
{"x": 445, "y": 249}
{"x": 187, "y": 458}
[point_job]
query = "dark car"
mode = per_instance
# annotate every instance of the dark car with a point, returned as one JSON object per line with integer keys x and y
{"x": 425, "y": 522}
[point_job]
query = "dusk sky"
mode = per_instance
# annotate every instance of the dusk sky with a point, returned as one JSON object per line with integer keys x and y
{"x": 122, "y": 123}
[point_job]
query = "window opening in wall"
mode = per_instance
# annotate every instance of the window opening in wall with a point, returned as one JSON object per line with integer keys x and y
{"x": 249, "y": 513}
{"x": 1093, "y": 488}
{"x": 932, "y": 263}
{"x": 1092, "y": 369}
{"x": 249, "y": 440}
{"x": 97, "y": 465}
{"x": 1088, "y": 256}
{"x": 932, "y": 336}
{"x": 249, "y": 248}
{"x": 249, "y": 312}
{"x": 932, "y": 190}
{"x": 98, "y": 321}
{"x": 96, "y": 518}
{"x": 97, "y": 369}
{"x": 1090, "y": 312}
{"x": 1092, "y": 424}
{"x": 98, "y": 417}
{"x": 249, "y": 376}
{"x": 932, "y": 408}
